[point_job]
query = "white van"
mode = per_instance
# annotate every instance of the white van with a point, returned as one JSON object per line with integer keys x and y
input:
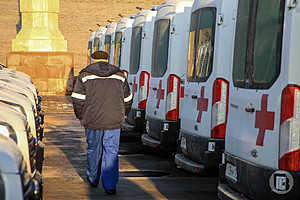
{"x": 169, "y": 56}
{"x": 109, "y": 43}
{"x": 18, "y": 74}
{"x": 99, "y": 39}
{"x": 140, "y": 68}
{"x": 14, "y": 125}
{"x": 124, "y": 56}
{"x": 91, "y": 47}
{"x": 122, "y": 43}
{"x": 15, "y": 180}
{"x": 205, "y": 107}
{"x": 262, "y": 147}
{"x": 21, "y": 104}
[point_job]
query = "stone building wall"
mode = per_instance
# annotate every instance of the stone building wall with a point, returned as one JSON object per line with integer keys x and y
{"x": 75, "y": 19}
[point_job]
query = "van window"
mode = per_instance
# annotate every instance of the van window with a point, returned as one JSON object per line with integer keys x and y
{"x": 118, "y": 49}
{"x": 135, "y": 53}
{"x": 258, "y": 43}
{"x": 107, "y": 44}
{"x": 201, "y": 44}
{"x": 89, "y": 50}
{"x": 96, "y": 44}
{"x": 160, "y": 48}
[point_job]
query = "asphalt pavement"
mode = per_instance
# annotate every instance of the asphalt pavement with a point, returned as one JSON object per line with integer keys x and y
{"x": 144, "y": 173}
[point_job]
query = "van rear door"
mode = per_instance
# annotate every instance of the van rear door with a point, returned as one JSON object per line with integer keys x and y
{"x": 157, "y": 92}
{"x": 255, "y": 98}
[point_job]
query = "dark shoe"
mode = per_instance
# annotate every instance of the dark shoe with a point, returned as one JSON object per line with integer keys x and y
{"x": 90, "y": 183}
{"x": 111, "y": 192}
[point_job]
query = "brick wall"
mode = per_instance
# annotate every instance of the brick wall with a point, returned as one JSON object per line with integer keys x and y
{"x": 75, "y": 20}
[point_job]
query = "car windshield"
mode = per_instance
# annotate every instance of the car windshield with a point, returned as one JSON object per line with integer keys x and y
{"x": 258, "y": 43}
{"x": 118, "y": 49}
{"x": 160, "y": 48}
{"x": 135, "y": 53}
{"x": 201, "y": 44}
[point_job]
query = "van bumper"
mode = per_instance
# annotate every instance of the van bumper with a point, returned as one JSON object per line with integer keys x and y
{"x": 226, "y": 193}
{"x": 202, "y": 150}
{"x": 256, "y": 182}
{"x": 135, "y": 121}
{"x": 161, "y": 134}
{"x": 182, "y": 162}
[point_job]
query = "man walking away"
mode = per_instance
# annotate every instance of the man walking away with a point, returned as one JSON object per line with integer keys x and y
{"x": 101, "y": 99}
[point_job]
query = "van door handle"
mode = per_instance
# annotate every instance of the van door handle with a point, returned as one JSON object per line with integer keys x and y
{"x": 130, "y": 83}
{"x": 249, "y": 109}
{"x": 194, "y": 97}
{"x": 154, "y": 88}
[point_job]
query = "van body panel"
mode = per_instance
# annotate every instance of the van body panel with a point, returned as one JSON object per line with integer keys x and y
{"x": 171, "y": 28}
{"x": 252, "y": 135}
{"x": 143, "y": 26}
{"x": 257, "y": 137}
{"x": 196, "y": 142}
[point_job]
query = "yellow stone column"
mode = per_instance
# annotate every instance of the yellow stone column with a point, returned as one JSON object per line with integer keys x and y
{"x": 40, "y": 50}
{"x": 40, "y": 30}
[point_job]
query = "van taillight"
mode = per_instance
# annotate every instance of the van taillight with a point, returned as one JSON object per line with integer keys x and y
{"x": 143, "y": 89}
{"x": 290, "y": 129}
{"x": 125, "y": 73}
{"x": 219, "y": 108}
{"x": 173, "y": 89}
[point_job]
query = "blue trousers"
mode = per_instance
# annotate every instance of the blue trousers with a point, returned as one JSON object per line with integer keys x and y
{"x": 102, "y": 157}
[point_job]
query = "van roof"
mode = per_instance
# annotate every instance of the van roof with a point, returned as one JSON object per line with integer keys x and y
{"x": 170, "y": 7}
{"x": 111, "y": 28}
{"x": 101, "y": 31}
{"x": 12, "y": 117}
{"x": 92, "y": 36}
{"x": 144, "y": 16}
{"x": 203, "y": 3}
{"x": 123, "y": 24}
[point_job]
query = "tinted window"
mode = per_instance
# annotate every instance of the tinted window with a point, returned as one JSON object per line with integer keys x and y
{"x": 107, "y": 44}
{"x": 135, "y": 53}
{"x": 201, "y": 44}
{"x": 240, "y": 43}
{"x": 118, "y": 49}
{"x": 96, "y": 44}
{"x": 160, "y": 48}
{"x": 258, "y": 56}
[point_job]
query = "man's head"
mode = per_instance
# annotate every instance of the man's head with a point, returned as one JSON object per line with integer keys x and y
{"x": 100, "y": 56}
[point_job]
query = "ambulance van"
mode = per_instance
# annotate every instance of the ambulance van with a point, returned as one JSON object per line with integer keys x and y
{"x": 169, "y": 56}
{"x": 109, "y": 42}
{"x": 125, "y": 48}
{"x": 13, "y": 124}
{"x": 122, "y": 43}
{"x": 99, "y": 39}
{"x": 262, "y": 146}
{"x": 140, "y": 68}
{"x": 15, "y": 180}
{"x": 205, "y": 107}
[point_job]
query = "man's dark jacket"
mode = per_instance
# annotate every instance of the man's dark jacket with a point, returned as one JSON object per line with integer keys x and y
{"x": 101, "y": 97}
